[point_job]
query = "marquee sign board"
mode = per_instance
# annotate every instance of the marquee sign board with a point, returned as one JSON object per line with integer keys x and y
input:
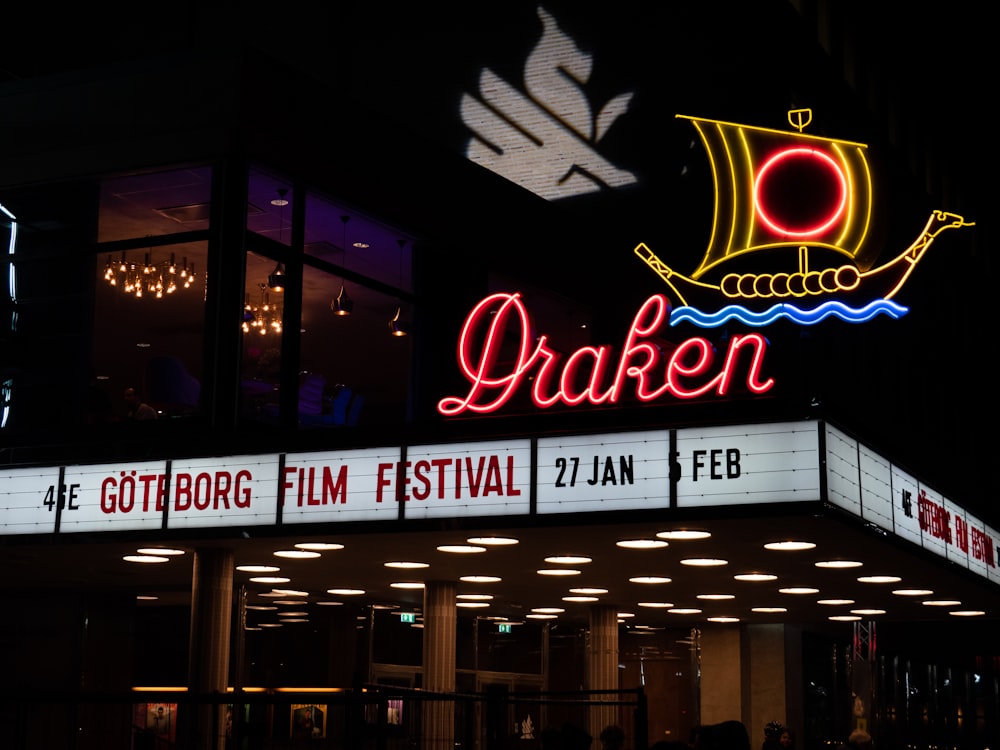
{"x": 661, "y": 469}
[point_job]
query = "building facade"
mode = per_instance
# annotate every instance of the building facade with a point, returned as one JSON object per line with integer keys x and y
{"x": 396, "y": 282}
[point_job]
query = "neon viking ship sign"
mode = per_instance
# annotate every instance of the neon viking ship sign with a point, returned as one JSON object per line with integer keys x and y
{"x": 778, "y": 192}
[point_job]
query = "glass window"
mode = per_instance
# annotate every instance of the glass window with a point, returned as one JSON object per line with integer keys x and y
{"x": 263, "y": 309}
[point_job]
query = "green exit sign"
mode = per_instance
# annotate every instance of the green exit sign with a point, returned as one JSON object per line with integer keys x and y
{"x": 407, "y": 617}
{"x": 503, "y": 627}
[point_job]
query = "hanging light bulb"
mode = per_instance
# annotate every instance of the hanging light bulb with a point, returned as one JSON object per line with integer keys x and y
{"x": 342, "y": 304}
{"x": 396, "y": 326}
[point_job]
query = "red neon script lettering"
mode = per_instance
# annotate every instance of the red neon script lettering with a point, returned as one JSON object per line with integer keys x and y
{"x": 686, "y": 373}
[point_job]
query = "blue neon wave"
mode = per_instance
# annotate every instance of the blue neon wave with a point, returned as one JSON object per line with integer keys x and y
{"x": 833, "y": 308}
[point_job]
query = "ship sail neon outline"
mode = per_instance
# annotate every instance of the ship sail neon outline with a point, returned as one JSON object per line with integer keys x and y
{"x": 744, "y": 160}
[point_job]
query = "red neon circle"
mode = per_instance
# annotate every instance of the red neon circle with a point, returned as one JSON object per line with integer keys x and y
{"x": 779, "y": 157}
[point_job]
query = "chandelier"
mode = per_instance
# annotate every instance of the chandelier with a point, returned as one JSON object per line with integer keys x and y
{"x": 148, "y": 278}
{"x": 263, "y": 317}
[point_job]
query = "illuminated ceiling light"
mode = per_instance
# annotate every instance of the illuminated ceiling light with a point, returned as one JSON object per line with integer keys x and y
{"x": 294, "y": 619}
{"x": 967, "y": 613}
{"x": 797, "y": 590}
{"x": 913, "y": 592}
{"x": 723, "y": 619}
{"x": 684, "y": 611}
{"x": 492, "y": 541}
{"x": 396, "y": 326}
{"x": 345, "y": 592}
{"x": 567, "y": 560}
{"x": 715, "y": 597}
{"x": 704, "y": 562}
{"x": 941, "y": 603}
{"x": 461, "y": 549}
{"x": 588, "y": 591}
{"x": 270, "y": 579}
{"x": 329, "y": 604}
{"x": 270, "y": 625}
{"x": 538, "y": 616}
{"x": 789, "y": 545}
{"x": 558, "y": 572}
{"x": 835, "y": 602}
{"x": 258, "y": 568}
{"x": 683, "y": 534}
{"x": 548, "y": 610}
{"x": 342, "y": 305}
{"x": 276, "y": 279}
{"x": 641, "y": 543}
{"x": 145, "y": 558}
{"x": 480, "y": 579}
{"x": 755, "y": 577}
{"x": 769, "y": 610}
{"x": 844, "y": 618}
{"x": 469, "y": 605}
{"x": 289, "y": 602}
{"x": 867, "y": 611}
{"x": 656, "y": 605}
{"x": 260, "y": 607}
{"x": 838, "y": 564}
{"x": 296, "y": 554}
{"x": 144, "y": 598}
{"x": 160, "y": 551}
{"x": 482, "y": 597}
{"x": 626, "y": 615}
{"x": 292, "y": 614}
{"x": 649, "y": 579}
{"x": 290, "y": 592}
{"x": 385, "y": 606}
{"x": 406, "y": 564}
{"x": 319, "y": 546}
{"x": 407, "y": 585}
{"x": 879, "y": 579}
{"x": 580, "y": 599}
{"x": 270, "y": 593}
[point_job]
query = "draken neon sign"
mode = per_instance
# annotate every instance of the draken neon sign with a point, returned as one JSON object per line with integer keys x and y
{"x": 775, "y": 191}
{"x": 595, "y": 374}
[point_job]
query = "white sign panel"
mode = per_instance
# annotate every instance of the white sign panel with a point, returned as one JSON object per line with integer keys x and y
{"x": 114, "y": 497}
{"x": 748, "y": 464}
{"x": 466, "y": 480}
{"x": 876, "y": 489}
{"x": 231, "y": 491}
{"x": 583, "y": 473}
{"x": 353, "y": 485}
{"x": 906, "y": 521}
{"x": 843, "y": 488}
{"x": 28, "y": 500}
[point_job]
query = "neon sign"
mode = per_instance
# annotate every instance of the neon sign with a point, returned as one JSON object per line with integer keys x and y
{"x": 811, "y": 197}
{"x": 595, "y": 374}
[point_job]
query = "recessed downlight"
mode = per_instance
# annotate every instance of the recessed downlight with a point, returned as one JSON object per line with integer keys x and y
{"x": 684, "y": 611}
{"x": 769, "y": 610}
{"x": 790, "y": 545}
{"x": 755, "y": 577}
{"x": 867, "y": 612}
{"x": 798, "y": 590}
{"x": 167, "y": 551}
{"x": 844, "y": 618}
{"x": 835, "y": 602}
{"x": 913, "y": 592}
{"x": 258, "y": 568}
{"x": 270, "y": 579}
{"x": 941, "y": 603}
{"x": 967, "y": 613}
{"x": 319, "y": 546}
{"x": 548, "y": 610}
{"x": 836, "y": 564}
{"x": 492, "y": 541}
{"x": 407, "y": 585}
{"x": 641, "y": 543}
{"x": 461, "y": 549}
{"x": 579, "y": 598}
{"x": 704, "y": 562}
{"x": 558, "y": 572}
{"x": 723, "y": 619}
{"x": 879, "y": 579}
{"x": 568, "y": 560}
{"x": 146, "y": 559}
{"x": 683, "y": 534}
{"x": 588, "y": 591}
{"x": 346, "y": 592}
{"x": 656, "y": 605}
{"x": 480, "y": 579}
{"x": 715, "y": 597}
{"x": 406, "y": 564}
{"x": 649, "y": 579}
{"x": 296, "y": 554}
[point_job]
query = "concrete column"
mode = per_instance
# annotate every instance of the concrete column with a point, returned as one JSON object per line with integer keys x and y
{"x": 753, "y": 674}
{"x": 602, "y": 667}
{"x": 208, "y": 652}
{"x": 440, "y": 626}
